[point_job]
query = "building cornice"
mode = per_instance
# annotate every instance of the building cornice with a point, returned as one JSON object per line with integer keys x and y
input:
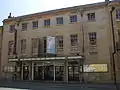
{"x": 53, "y": 12}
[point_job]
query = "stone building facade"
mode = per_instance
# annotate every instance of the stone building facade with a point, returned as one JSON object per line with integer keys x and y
{"x": 83, "y": 42}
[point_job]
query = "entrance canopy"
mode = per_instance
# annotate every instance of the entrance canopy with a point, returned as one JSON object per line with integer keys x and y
{"x": 45, "y": 58}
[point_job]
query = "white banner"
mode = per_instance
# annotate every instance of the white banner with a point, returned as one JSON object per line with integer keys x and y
{"x": 51, "y": 49}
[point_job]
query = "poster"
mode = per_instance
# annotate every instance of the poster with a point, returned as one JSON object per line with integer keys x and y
{"x": 51, "y": 47}
{"x": 96, "y": 68}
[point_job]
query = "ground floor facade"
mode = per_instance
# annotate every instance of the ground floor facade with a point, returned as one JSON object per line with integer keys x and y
{"x": 58, "y": 69}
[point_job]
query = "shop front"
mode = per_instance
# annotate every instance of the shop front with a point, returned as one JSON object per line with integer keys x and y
{"x": 51, "y": 69}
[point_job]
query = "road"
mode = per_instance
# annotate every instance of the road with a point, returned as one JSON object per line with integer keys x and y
{"x": 16, "y": 85}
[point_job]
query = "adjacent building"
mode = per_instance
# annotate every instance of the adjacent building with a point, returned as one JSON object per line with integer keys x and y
{"x": 69, "y": 44}
{"x": 1, "y": 33}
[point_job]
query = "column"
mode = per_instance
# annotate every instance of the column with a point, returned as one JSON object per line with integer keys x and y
{"x": 32, "y": 71}
{"x": 29, "y": 66}
{"x": 79, "y": 70}
{"x": 22, "y": 72}
{"x": 66, "y": 70}
{"x": 43, "y": 71}
{"x": 54, "y": 71}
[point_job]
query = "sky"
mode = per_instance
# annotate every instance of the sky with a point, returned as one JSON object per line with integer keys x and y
{"x": 23, "y": 7}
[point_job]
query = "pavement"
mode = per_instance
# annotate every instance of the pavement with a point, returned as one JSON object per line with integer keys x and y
{"x": 25, "y": 85}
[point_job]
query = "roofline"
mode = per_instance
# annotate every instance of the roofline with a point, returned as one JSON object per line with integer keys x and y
{"x": 57, "y": 10}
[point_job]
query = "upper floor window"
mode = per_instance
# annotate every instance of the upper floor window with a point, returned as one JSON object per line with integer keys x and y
{"x": 10, "y": 47}
{"x": 45, "y": 43}
{"x": 73, "y": 18}
{"x": 35, "y": 43}
{"x": 59, "y": 20}
{"x": 35, "y": 24}
{"x": 23, "y": 45}
{"x": 59, "y": 40}
{"x": 118, "y": 14}
{"x": 47, "y": 22}
{"x": 91, "y": 16}
{"x": 24, "y": 26}
{"x": 12, "y": 28}
{"x": 74, "y": 40}
{"x": 92, "y": 38}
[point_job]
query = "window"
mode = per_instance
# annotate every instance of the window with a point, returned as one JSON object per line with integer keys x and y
{"x": 10, "y": 47}
{"x": 23, "y": 46}
{"x": 59, "y": 43}
{"x": 92, "y": 38}
{"x": 47, "y": 22}
{"x": 73, "y": 18}
{"x": 91, "y": 16}
{"x": 118, "y": 14}
{"x": 10, "y": 69}
{"x": 45, "y": 44}
{"x": 35, "y": 24}
{"x": 12, "y": 28}
{"x": 24, "y": 26}
{"x": 59, "y": 20}
{"x": 35, "y": 42}
{"x": 74, "y": 40}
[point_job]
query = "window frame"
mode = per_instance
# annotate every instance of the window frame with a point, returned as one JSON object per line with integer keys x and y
{"x": 91, "y": 16}
{"x": 23, "y": 46}
{"x": 35, "y": 43}
{"x": 59, "y": 42}
{"x": 10, "y": 47}
{"x": 12, "y": 28}
{"x": 118, "y": 14}
{"x": 92, "y": 38}
{"x": 24, "y": 26}
{"x": 74, "y": 40}
{"x": 73, "y": 18}
{"x": 59, "y": 20}
{"x": 47, "y": 22}
{"x": 35, "y": 24}
{"x": 45, "y": 45}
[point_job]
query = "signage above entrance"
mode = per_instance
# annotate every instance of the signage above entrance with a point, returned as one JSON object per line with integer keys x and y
{"x": 47, "y": 58}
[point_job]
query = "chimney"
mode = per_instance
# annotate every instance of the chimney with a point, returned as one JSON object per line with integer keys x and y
{"x": 9, "y": 15}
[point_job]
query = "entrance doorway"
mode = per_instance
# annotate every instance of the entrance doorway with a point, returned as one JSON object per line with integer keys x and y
{"x": 38, "y": 72}
{"x": 49, "y": 72}
{"x": 59, "y": 73}
{"x": 26, "y": 72}
{"x": 73, "y": 73}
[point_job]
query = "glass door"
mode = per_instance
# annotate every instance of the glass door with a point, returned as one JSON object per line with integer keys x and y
{"x": 38, "y": 72}
{"x": 59, "y": 73}
{"x": 73, "y": 73}
{"x": 26, "y": 72}
{"x": 49, "y": 72}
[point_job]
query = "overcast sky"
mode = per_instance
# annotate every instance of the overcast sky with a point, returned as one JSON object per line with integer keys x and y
{"x": 22, "y": 7}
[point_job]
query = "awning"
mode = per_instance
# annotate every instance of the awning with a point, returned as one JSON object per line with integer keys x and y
{"x": 45, "y": 58}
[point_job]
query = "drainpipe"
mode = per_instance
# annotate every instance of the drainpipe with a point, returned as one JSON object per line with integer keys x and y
{"x": 16, "y": 39}
{"x": 81, "y": 65}
{"x": 114, "y": 47}
{"x": 114, "y": 44}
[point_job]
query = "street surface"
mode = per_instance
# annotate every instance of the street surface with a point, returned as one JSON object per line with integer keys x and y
{"x": 26, "y": 85}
